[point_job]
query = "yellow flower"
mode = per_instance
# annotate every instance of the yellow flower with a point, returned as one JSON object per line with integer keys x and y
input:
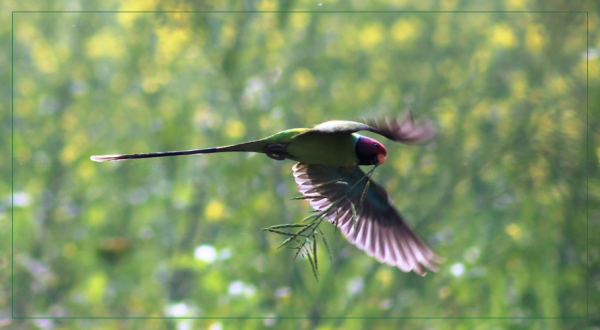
{"x": 371, "y": 35}
{"x": 503, "y": 36}
{"x": 235, "y": 129}
{"x": 214, "y": 210}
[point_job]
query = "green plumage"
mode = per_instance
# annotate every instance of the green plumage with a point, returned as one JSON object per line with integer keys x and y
{"x": 314, "y": 147}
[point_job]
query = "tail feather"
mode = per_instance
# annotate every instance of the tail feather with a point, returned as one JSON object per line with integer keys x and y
{"x": 252, "y": 146}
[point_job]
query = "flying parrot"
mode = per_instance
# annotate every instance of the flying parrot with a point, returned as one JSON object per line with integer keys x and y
{"x": 332, "y": 151}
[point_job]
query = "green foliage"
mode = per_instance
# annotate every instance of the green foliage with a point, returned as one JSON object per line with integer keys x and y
{"x": 501, "y": 193}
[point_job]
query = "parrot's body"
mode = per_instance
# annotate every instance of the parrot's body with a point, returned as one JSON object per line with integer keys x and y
{"x": 329, "y": 152}
{"x": 301, "y": 145}
{"x": 304, "y": 145}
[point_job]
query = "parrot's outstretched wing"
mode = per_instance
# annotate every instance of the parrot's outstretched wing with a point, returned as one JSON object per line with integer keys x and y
{"x": 402, "y": 129}
{"x": 380, "y": 230}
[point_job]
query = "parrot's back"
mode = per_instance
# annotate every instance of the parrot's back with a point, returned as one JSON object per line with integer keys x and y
{"x": 330, "y": 149}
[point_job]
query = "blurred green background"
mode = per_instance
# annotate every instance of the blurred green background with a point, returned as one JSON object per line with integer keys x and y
{"x": 501, "y": 193}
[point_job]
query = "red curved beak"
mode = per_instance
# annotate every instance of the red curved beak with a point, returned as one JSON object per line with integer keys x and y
{"x": 381, "y": 159}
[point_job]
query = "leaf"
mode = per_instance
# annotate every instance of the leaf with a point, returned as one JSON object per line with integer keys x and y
{"x": 309, "y": 197}
{"x": 291, "y": 225}
{"x": 294, "y": 236}
{"x": 299, "y": 248}
{"x": 365, "y": 190}
{"x": 315, "y": 251}
{"x": 314, "y": 215}
{"x": 335, "y": 222}
{"x": 327, "y": 246}
{"x": 278, "y": 232}
{"x": 312, "y": 265}
{"x": 339, "y": 181}
{"x": 354, "y": 215}
{"x": 364, "y": 194}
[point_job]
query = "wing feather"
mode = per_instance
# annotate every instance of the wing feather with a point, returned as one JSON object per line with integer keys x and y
{"x": 380, "y": 231}
{"x": 401, "y": 129}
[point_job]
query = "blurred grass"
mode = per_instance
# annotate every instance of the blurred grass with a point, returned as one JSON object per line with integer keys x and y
{"x": 501, "y": 193}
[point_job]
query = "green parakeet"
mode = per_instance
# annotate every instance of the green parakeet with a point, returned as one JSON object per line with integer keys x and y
{"x": 331, "y": 151}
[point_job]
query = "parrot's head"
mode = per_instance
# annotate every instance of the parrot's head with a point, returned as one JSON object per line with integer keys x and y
{"x": 370, "y": 152}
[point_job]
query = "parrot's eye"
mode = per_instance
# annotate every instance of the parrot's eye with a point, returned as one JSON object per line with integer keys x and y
{"x": 376, "y": 145}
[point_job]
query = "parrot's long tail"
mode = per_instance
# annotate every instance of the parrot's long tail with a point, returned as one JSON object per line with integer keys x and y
{"x": 252, "y": 146}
